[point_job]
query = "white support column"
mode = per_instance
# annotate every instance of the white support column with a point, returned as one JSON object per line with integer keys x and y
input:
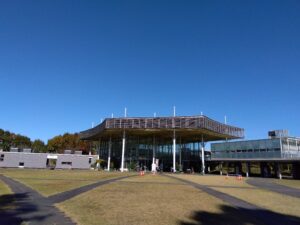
{"x": 279, "y": 174}
{"x": 123, "y": 152}
{"x": 202, "y": 156}
{"x": 153, "y": 167}
{"x": 247, "y": 169}
{"x": 98, "y": 151}
{"x": 153, "y": 151}
{"x": 221, "y": 169}
{"x": 174, "y": 151}
{"x": 180, "y": 159}
{"x": 109, "y": 153}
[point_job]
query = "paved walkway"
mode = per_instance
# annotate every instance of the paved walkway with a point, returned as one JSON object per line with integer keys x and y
{"x": 35, "y": 209}
{"x": 270, "y": 185}
{"x": 61, "y": 197}
{"x": 30, "y": 207}
{"x": 248, "y": 209}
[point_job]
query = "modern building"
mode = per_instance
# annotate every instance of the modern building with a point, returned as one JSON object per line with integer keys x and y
{"x": 277, "y": 150}
{"x": 17, "y": 158}
{"x": 168, "y": 143}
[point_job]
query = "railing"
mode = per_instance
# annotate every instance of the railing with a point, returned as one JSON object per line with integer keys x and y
{"x": 200, "y": 122}
{"x": 195, "y": 122}
{"x": 290, "y": 154}
{"x": 255, "y": 155}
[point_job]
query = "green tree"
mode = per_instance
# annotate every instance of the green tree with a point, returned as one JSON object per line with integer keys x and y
{"x": 67, "y": 141}
{"x": 39, "y": 146}
{"x": 55, "y": 144}
{"x": 21, "y": 141}
{"x": 8, "y": 139}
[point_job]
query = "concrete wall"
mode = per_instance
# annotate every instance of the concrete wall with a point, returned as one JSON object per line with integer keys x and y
{"x": 39, "y": 160}
{"x": 30, "y": 160}
{"x": 75, "y": 161}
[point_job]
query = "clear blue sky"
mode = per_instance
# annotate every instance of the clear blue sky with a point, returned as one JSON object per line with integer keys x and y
{"x": 66, "y": 64}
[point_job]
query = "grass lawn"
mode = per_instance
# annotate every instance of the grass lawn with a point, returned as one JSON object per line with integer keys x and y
{"x": 149, "y": 200}
{"x": 213, "y": 180}
{"x": 266, "y": 199}
{"x": 289, "y": 183}
{"x": 5, "y": 200}
{"x": 49, "y": 182}
{"x": 4, "y": 189}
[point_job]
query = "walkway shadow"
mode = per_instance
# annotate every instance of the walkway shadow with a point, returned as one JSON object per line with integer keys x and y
{"x": 240, "y": 216}
{"x": 15, "y": 209}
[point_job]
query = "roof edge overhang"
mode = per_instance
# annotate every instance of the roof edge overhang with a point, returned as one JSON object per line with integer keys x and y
{"x": 156, "y": 125}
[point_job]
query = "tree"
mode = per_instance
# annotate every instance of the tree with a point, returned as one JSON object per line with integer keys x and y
{"x": 39, "y": 146}
{"x": 67, "y": 141}
{"x": 9, "y": 140}
{"x": 21, "y": 141}
{"x": 55, "y": 144}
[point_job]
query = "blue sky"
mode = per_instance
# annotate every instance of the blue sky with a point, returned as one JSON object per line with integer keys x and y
{"x": 66, "y": 64}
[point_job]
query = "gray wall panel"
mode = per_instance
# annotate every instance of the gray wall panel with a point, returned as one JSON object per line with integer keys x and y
{"x": 30, "y": 160}
{"x": 39, "y": 160}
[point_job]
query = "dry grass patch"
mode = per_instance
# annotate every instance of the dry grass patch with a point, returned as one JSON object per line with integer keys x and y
{"x": 289, "y": 183}
{"x": 4, "y": 189}
{"x": 155, "y": 179}
{"x": 147, "y": 200}
{"x": 5, "y": 197}
{"x": 213, "y": 180}
{"x": 266, "y": 199}
{"x": 49, "y": 182}
{"x": 279, "y": 203}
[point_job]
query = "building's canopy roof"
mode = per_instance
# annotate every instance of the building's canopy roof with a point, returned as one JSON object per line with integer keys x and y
{"x": 188, "y": 128}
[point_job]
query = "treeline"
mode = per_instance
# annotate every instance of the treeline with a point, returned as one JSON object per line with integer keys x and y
{"x": 56, "y": 144}
{"x": 67, "y": 141}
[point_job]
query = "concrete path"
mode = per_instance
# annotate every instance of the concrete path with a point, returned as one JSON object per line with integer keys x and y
{"x": 34, "y": 209}
{"x": 248, "y": 209}
{"x": 272, "y": 186}
{"x": 30, "y": 207}
{"x": 61, "y": 197}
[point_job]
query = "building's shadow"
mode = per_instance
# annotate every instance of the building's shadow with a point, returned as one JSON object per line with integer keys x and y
{"x": 15, "y": 209}
{"x": 240, "y": 216}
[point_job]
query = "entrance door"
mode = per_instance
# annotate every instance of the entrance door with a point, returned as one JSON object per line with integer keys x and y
{"x": 51, "y": 163}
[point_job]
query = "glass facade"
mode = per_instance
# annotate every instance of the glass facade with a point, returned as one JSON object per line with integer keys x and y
{"x": 152, "y": 137}
{"x": 265, "y": 148}
{"x": 290, "y": 148}
{"x": 139, "y": 153}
